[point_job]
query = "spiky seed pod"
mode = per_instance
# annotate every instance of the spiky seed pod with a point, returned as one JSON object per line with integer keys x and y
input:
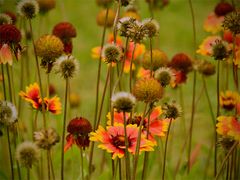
{"x": 223, "y": 8}
{"x": 101, "y": 16}
{"x": 12, "y": 16}
{"x": 65, "y": 31}
{"x": 5, "y": 19}
{"x": 206, "y": 68}
{"x": 123, "y": 26}
{"x": 9, "y": 34}
{"x": 137, "y": 31}
{"x": 8, "y": 113}
{"x": 67, "y": 66}
{"x": 226, "y": 142}
{"x": 172, "y": 110}
{"x": 181, "y": 62}
{"x": 104, "y": 3}
{"x": 111, "y": 53}
{"x": 28, "y": 8}
{"x": 151, "y": 26}
{"x": 219, "y": 50}
{"x": 159, "y": 59}
{"x": 27, "y": 154}
{"x": 147, "y": 90}
{"x": 232, "y": 22}
{"x": 164, "y": 76}
{"x": 123, "y": 101}
{"x": 46, "y": 138}
{"x": 46, "y": 5}
{"x": 79, "y": 126}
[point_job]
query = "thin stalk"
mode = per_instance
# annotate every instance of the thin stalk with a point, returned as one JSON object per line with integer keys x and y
{"x": 127, "y": 161}
{"x": 165, "y": 150}
{"x": 48, "y": 166}
{"x": 9, "y": 84}
{"x": 63, "y": 130}
{"x": 120, "y": 169}
{"x": 135, "y": 162}
{"x": 51, "y": 163}
{"x": 10, "y": 154}
{"x": 3, "y": 83}
{"x": 150, "y": 7}
{"x": 116, "y": 21}
{"x": 39, "y": 74}
{"x": 194, "y": 85}
{"x": 81, "y": 161}
{"x": 151, "y": 57}
{"x": 34, "y": 124}
{"x": 225, "y": 159}
{"x": 183, "y": 109}
{"x": 28, "y": 173}
{"x": 131, "y": 66}
{"x": 235, "y": 69}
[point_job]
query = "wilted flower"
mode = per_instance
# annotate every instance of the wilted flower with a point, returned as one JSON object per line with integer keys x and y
{"x": 5, "y": 19}
{"x": 27, "y": 154}
{"x": 8, "y": 113}
{"x": 206, "y": 68}
{"x": 232, "y": 22}
{"x": 65, "y": 31}
{"x": 123, "y": 101}
{"x": 113, "y": 140}
{"x": 111, "y": 53}
{"x": 229, "y": 99}
{"x": 159, "y": 59}
{"x": 78, "y": 129}
{"x": 223, "y": 8}
{"x": 151, "y": 26}
{"x": 124, "y": 24}
{"x": 49, "y": 47}
{"x": 9, "y": 34}
{"x": 172, "y": 110}
{"x": 101, "y": 16}
{"x": 220, "y": 51}
{"x": 28, "y": 8}
{"x": 148, "y": 90}
{"x": 46, "y": 138}
{"x": 67, "y": 66}
{"x": 46, "y": 5}
{"x": 164, "y": 76}
{"x": 181, "y": 62}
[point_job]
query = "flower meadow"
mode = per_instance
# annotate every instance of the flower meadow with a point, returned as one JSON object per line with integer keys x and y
{"x": 119, "y": 89}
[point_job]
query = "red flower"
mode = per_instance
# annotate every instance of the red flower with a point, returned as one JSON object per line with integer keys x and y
{"x": 68, "y": 47}
{"x": 181, "y": 62}
{"x": 65, "y": 31}
{"x": 223, "y": 8}
{"x": 9, "y": 34}
{"x": 78, "y": 129}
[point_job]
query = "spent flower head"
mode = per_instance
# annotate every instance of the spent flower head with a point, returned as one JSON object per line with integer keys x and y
{"x": 123, "y": 101}
{"x": 172, "y": 110}
{"x": 223, "y": 8}
{"x": 232, "y": 22}
{"x": 111, "y": 53}
{"x": 164, "y": 76}
{"x": 220, "y": 51}
{"x": 28, "y": 8}
{"x": 27, "y": 154}
{"x": 151, "y": 26}
{"x": 206, "y": 68}
{"x": 5, "y": 19}
{"x": 8, "y": 113}
{"x": 67, "y": 66}
{"x": 46, "y": 138}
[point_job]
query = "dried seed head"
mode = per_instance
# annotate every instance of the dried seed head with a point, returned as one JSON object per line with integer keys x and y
{"x": 123, "y": 101}
{"x": 8, "y": 113}
{"x": 28, "y": 8}
{"x": 27, "y": 154}
{"x": 172, "y": 111}
{"x": 111, "y": 53}
{"x": 232, "y": 22}
{"x": 151, "y": 26}
{"x": 148, "y": 90}
{"x": 220, "y": 51}
{"x": 164, "y": 76}
{"x": 5, "y": 19}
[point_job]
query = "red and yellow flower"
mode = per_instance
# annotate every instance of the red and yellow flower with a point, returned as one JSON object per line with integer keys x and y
{"x": 113, "y": 139}
{"x": 213, "y": 23}
{"x": 205, "y": 48}
{"x": 229, "y": 99}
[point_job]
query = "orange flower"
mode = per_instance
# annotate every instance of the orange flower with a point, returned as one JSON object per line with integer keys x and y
{"x": 112, "y": 140}
{"x": 53, "y": 104}
{"x": 157, "y": 126}
{"x": 32, "y": 95}
{"x": 5, "y": 55}
{"x": 228, "y": 100}
{"x": 180, "y": 78}
{"x": 143, "y": 73}
{"x": 213, "y": 23}
{"x": 205, "y": 48}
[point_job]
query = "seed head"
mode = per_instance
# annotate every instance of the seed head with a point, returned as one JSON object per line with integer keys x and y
{"x": 151, "y": 26}
{"x": 172, "y": 110}
{"x": 67, "y": 66}
{"x": 206, "y": 68}
{"x": 12, "y": 16}
{"x": 5, "y": 19}
{"x": 164, "y": 76}
{"x": 148, "y": 90}
{"x": 159, "y": 59}
{"x": 27, "y": 154}
{"x": 28, "y": 8}
{"x": 8, "y": 113}
{"x": 220, "y": 51}
{"x": 232, "y": 22}
{"x": 123, "y": 101}
{"x": 111, "y": 53}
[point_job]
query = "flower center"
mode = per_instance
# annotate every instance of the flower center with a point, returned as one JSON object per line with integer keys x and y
{"x": 118, "y": 141}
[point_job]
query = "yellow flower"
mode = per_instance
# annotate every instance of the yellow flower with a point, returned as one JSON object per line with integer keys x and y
{"x": 206, "y": 48}
{"x": 228, "y": 100}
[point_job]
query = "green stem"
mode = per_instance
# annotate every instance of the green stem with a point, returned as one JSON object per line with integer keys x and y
{"x": 48, "y": 165}
{"x": 39, "y": 75}
{"x": 81, "y": 161}
{"x": 135, "y": 162}
{"x": 63, "y": 130}
{"x": 51, "y": 163}
{"x": 28, "y": 173}
{"x": 3, "y": 83}
{"x": 10, "y": 154}
{"x": 127, "y": 161}
{"x": 9, "y": 83}
{"x": 151, "y": 57}
{"x": 131, "y": 67}
{"x": 225, "y": 159}
{"x": 165, "y": 150}
{"x": 120, "y": 169}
